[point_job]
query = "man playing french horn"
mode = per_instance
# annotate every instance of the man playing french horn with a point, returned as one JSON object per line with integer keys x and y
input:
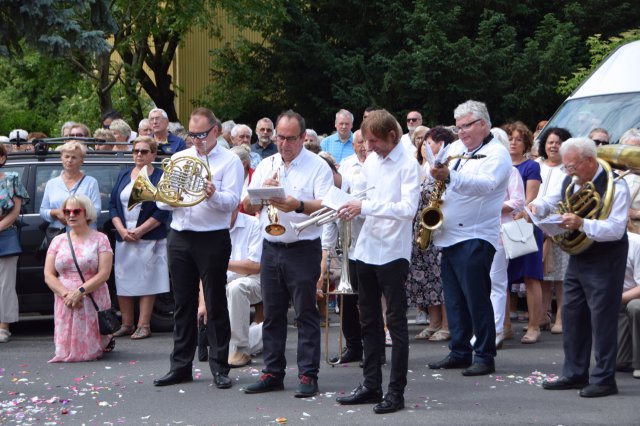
{"x": 595, "y": 274}
{"x": 290, "y": 264}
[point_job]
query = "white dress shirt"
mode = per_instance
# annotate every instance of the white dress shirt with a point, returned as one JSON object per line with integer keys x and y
{"x": 405, "y": 141}
{"x": 387, "y": 233}
{"x": 227, "y": 175}
{"x": 632, "y": 272}
{"x": 246, "y": 243}
{"x": 472, "y": 203}
{"x": 308, "y": 177}
{"x": 610, "y": 229}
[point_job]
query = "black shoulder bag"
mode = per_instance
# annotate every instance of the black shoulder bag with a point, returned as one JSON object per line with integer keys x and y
{"x": 107, "y": 319}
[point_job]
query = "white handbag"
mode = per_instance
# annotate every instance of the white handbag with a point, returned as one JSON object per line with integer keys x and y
{"x": 518, "y": 238}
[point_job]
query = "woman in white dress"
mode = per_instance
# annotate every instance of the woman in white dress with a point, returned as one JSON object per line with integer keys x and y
{"x": 141, "y": 243}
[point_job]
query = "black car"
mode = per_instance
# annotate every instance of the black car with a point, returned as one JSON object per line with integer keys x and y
{"x": 36, "y": 169}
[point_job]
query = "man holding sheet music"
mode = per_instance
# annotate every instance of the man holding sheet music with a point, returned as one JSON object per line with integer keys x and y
{"x": 290, "y": 264}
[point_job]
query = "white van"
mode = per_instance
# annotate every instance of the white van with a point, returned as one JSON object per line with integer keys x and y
{"x": 608, "y": 98}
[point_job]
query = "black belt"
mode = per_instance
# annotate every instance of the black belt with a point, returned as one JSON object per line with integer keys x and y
{"x": 301, "y": 243}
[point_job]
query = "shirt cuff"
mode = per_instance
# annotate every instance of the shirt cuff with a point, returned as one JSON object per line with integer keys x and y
{"x": 365, "y": 208}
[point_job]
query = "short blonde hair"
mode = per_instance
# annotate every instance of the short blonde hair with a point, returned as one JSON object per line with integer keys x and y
{"x": 85, "y": 202}
{"x": 121, "y": 126}
{"x": 153, "y": 144}
{"x": 74, "y": 146}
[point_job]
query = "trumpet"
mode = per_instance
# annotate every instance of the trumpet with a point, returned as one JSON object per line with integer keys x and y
{"x": 274, "y": 227}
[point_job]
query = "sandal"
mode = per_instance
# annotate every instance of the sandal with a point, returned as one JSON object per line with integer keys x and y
{"x": 110, "y": 346}
{"x": 125, "y": 330}
{"x": 426, "y": 333}
{"x": 141, "y": 333}
{"x": 440, "y": 336}
{"x": 532, "y": 336}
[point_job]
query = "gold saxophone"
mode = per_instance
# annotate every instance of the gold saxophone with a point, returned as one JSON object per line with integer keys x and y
{"x": 431, "y": 216}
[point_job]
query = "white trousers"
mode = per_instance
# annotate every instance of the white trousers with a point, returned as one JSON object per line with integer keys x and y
{"x": 241, "y": 294}
{"x": 499, "y": 286}
{"x": 8, "y": 295}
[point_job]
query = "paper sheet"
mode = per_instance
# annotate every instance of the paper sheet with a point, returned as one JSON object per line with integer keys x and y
{"x": 257, "y": 195}
{"x": 550, "y": 225}
{"x": 336, "y": 198}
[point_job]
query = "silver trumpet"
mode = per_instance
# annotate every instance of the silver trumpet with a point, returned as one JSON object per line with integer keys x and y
{"x": 324, "y": 215}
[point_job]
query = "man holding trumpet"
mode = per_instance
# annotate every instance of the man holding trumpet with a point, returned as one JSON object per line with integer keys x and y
{"x": 290, "y": 264}
{"x": 383, "y": 252}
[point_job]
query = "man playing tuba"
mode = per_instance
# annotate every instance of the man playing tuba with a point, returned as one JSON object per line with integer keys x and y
{"x": 594, "y": 277}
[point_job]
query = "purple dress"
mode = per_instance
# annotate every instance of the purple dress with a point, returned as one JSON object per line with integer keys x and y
{"x": 529, "y": 265}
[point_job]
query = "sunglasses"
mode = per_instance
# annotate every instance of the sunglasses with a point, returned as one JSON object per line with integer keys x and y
{"x": 411, "y": 120}
{"x": 600, "y": 142}
{"x": 141, "y": 151}
{"x": 200, "y": 135}
{"x": 76, "y": 212}
{"x": 76, "y": 135}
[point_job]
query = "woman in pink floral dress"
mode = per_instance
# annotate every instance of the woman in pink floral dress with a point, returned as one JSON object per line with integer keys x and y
{"x": 77, "y": 335}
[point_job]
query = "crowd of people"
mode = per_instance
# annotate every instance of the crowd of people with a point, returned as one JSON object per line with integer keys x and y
{"x": 240, "y": 247}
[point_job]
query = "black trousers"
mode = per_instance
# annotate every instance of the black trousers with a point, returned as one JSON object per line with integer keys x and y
{"x": 195, "y": 256}
{"x": 374, "y": 281}
{"x": 290, "y": 272}
{"x": 590, "y": 306}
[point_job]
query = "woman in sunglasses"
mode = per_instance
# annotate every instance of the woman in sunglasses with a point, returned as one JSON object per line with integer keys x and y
{"x": 141, "y": 243}
{"x": 77, "y": 333}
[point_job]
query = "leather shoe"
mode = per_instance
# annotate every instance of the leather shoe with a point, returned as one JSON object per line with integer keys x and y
{"x": 361, "y": 395}
{"x": 479, "y": 369}
{"x": 307, "y": 387}
{"x": 449, "y": 362}
{"x": 348, "y": 355}
{"x": 564, "y": 383}
{"x": 222, "y": 381}
{"x": 267, "y": 383}
{"x": 596, "y": 391}
{"x": 391, "y": 403}
{"x": 173, "y": 378}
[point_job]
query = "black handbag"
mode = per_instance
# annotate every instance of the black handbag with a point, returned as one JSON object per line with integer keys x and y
{"x": 9, "y": 242}
{"x": 108, "y": 320}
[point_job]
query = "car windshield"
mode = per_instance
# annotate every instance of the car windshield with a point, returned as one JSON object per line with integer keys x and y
{"x": 616, "y": 113}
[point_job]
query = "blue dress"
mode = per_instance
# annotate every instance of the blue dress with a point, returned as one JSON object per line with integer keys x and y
{"x": 529, "y": 265}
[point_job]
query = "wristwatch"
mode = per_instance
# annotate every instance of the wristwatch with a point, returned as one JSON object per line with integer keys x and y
{"x": 300, "y": 208}
{"x": 82, "y": 290}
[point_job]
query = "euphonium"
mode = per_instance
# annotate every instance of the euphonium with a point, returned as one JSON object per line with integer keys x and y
{"x": 431, "y": 217}
{"x": 182, "y": 176}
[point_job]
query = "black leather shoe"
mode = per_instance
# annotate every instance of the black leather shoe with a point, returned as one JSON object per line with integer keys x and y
{"x": 479, "y": 369}
{"x": 596, "y": 391}
{"x": 267, "y": 383}
{"x": 222, "y": 381}
{"x": 361, "y": 395}
{"x": 391, "y": 403}
{"x": 449, "y": 362}
{"x": 564, "y": 383}
{"x": 307, "y": 387}
{"x": 348, "y": 355}
{"x": 173, "y": 378}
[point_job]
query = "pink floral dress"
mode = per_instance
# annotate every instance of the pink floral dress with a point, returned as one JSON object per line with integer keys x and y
{"x": 76, "y": 334}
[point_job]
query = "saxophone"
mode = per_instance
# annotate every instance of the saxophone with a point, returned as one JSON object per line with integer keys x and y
{"x": 431, "y": 216}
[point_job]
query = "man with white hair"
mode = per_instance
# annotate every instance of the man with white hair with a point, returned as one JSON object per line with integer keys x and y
{"x": 265, "y": 146}
{"x": 594, "y": 278}
{"x": 340, "y": 144}
{"x": 167, "y": 143}
{"x": 241, "y": 135}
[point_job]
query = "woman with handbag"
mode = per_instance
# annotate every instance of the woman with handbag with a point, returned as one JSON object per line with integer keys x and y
{"x": 529, "y": 266}
{"x": 12, "y": 197}
{"x": 141, "y": 267}
{"x": 77, "y": 333}
{"x": 71, "y": 181}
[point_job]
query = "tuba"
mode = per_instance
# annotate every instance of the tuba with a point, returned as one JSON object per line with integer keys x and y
{"x": 431, "y": 217}
{"x": 587, "y": 203}
{"x": 182, "y": 176}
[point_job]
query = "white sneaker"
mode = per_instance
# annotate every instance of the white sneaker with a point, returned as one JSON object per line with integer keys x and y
{"x": 421, "y": 318}
{"x": 636, "y": 374}
{"x": 4, "y": 335}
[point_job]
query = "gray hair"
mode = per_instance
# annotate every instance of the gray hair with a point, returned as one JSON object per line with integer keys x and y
{"x": 238, "y": 127}
{"x": 475, "y": 108}
{"x": 89, "y": 209}
{"x": 313, "y": 134}
{"x": 121, "y": 126}
{"x": 585, "y": 147}
{"x": 265, "y": 120}
{"x": 144, "y": 121}
{"x": 74, "y": 146}
{"x": 228, "y": 125}
{"x": 501, "y": 136}
{"x": 242, "y": 151}
{"x": 630, "y": 135}
{"x": 160, "y": 110}
{"x": 344, "y": 112}
{"x": 67, "y": 125}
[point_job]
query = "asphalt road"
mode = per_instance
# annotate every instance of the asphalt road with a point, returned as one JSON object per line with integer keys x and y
{"x": 118, "y": 389}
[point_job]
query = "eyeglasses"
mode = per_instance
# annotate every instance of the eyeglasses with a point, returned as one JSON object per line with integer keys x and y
{"x": 75, "y": 135}
{"x": 412, "y": 119}
{"x": 571, "y": 168}
{"x": 466, "y": 127}
{"x": 200, "y": 135}
{"x": 106, "y": 126}
{"x": 600, "y": 142}
{"x": 281, "y": 138}
{"x": 160, "y": 118}
{"x": 76, "y": 212}
{"x": 266, "y": 129}
{"x": 141, "y": 151}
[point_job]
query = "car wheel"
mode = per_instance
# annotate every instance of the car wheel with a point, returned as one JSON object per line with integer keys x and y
{"x": 162, "y": 315}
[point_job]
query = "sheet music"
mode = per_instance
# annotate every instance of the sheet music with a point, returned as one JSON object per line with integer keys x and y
{"x": 443, "y": 154}
{"x": 431, "y": 159}
{"x": 257, "y": 195}
{"x": 550, "y": 225}
{"x": 336, "y": 198}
